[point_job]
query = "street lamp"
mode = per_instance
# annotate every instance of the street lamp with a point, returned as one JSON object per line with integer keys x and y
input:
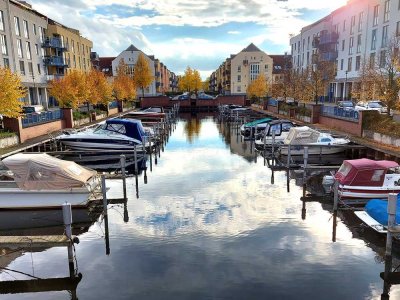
{"x": 345, "y": 85}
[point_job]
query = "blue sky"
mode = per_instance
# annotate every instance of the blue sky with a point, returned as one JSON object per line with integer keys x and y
{"x": 199, "y": 33}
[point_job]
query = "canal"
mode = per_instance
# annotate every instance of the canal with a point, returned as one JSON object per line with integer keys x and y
{"x": 210, "y": 225}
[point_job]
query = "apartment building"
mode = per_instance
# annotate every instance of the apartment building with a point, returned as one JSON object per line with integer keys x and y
{"x": 236, "y": 72}
{"x": 22, "y": 32}
{"x": 164, "y": 79}
{"x": 355, "y": 33}
{"x": 281, "y": 64}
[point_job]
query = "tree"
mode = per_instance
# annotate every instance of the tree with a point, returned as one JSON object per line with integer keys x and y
{"x": 100, "y": 90}
{"x": 190, "y": 81}
{"x": 143, "y": 76}
{"x": 258, "y": 87}
{"x": 321, "y": 74}
{"x": 11, "y": 91}
{"x": 364, "y": 89}
{"x": 205, "y": 85}
{"x": 124, "y": 87}
{"x": 196, "y": 81}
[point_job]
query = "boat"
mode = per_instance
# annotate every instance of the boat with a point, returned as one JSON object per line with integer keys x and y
{"x": 151, "y": 114}
{"x": 318, "y": 143}
{"x": 366, "y": 179}
{"x": 259, "y": 125}
{"x": 281, "y": 129}
{"x": 375, "y": 214}
{"x": 32, "y": 180}
{"x": 114, "y": 134}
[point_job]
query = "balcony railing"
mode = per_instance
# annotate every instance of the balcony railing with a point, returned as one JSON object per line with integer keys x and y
{"x": 328, "y": 38}
{"x": 54, "y": 77}
{"x": 57, "y": 61}
{"x": 33, "y": 119}
{"x": 54, "y": 42}
{"x": 113, "y": 104}
{"x": 329, "y": 56}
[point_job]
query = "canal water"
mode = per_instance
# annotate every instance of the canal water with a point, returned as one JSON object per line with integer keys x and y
{"x": 210, "y": 225}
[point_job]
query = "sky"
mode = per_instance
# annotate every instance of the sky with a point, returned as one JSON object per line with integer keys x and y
{"x": 181, "y": 33}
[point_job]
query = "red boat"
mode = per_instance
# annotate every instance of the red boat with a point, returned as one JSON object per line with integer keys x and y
{"x": 368, "y": 179}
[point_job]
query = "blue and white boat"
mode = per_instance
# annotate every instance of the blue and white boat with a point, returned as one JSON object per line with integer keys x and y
{"x": 114, "y": 134}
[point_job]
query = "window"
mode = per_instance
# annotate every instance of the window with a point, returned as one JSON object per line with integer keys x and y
{"x": 73, "y": 46}
{"x": 398, "y": 6}
{"x": 239, "y": 69}
{"x": 22, "y": 67}
{"x": 372, "y": 60}
{"x": 26, "y": 30}
{"x": 385, "y": 35}
{"x": 254, "y": 71}
{"x": 28, "y": 50}
{"x": 37, "y": 49}
{"x": 30, "y": 68}
{"x": 398, "y": 28}
{"x": 34, "y": 29}
{"x": 382, "y": 59}
{"x": 3, "y": 40}
{"x": 341, "y": 64}
{"x": 351, "y": 44}
{"x": 41, "y": 34}
{"x": 359, "y": 37}
{"x": 239, "y": 78}
{"x": 308, "y": 43}
{"x": 376, "y": 15}
{"x": 1, "y": 20}
{"x": 19, "y": 48}
{"x": 16, "y": 23}
{"x": 358, "y": 62}
{"x": 83, "y": 49}
{"x": 343, "y": 44}
{"x": 386, "y": 11}
{"x": 6, "y": 62}
{"x": 349, "y": 64}
{"x": 43, "y": 53}
{"x": 360, "y": 21}
{"x": 373, "y": 40}
{"x": 344, "y": 25}
{"x": 239, "y": 89}
{"x": 353, "y": 23}
{"x": 39, "y": 69}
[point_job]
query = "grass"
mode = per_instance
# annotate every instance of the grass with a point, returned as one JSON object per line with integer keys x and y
{"x": 6, "y": 134}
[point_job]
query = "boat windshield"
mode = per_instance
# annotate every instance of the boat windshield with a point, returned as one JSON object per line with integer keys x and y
{"x": 375, "y": 105}
{"x": 110, "y": 129}
{"x": 345, "y": 169}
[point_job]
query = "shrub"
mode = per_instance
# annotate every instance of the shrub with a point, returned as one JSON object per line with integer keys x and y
{"x": 380, "y": 123}
{"x": 80, "y": 115}
{"x": 5, "y": 134}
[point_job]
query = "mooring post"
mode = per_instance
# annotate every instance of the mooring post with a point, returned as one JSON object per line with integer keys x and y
{"x": 151, "y": 154}
{"x": 288, "y": 156}
{"x": 335, "y": 195}
{"x": 123, "y": 163}
{"x": 265, "y": 147}
{"x": 135, "y": 158}
{"x": 305, "y": 163}
{"x": 391, "y": 209}
{"x": 105, "y": 213}
{"x": 67, "y": 218}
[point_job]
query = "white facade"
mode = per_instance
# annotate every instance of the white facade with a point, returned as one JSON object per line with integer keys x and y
{"x": 21, "y": 35}
{"x": 362, "y": 27}
{"x": 130, "y": 57}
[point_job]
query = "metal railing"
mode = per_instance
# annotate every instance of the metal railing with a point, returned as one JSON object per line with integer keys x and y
{"x": 272, "y": 102}
{"x": 337, "y": 112}
{"x": 33, "y": 119}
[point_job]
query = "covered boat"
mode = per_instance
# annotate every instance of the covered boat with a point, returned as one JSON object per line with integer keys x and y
{"x": 281, "y": 129}
{"x": 257, "y": 126}
{"x": 40, "y": 180}
{"x": 317, "y": 142}
{"x": 114, "y": 134}
{"x": 368, "y": 179}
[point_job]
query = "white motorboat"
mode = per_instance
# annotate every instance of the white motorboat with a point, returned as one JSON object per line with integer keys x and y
{"x": 318, "y": 143}
{"x": 281, "y": 129}
{"x": 114, "y": 134}
{"x": 366, "y": 179}
{"x": 43, "y": 181}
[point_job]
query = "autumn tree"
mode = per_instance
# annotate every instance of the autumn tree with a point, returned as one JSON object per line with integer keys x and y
{"x": 190, "y": 81}
{"x": 11, "y": 91}
{"x": 258, "y": 88}
{"x": 100, "y": 90}
{"x": 197, "y": 83}
{"x": 321, "y": 73}
{"x": 143, "y": 76}
{"x": 364, "y": 89}
{"x": 124, "y": 87}
{"x": 205, "y": 85}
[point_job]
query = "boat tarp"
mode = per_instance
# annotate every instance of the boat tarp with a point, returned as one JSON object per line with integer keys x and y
{"x": 44, "y": 172}
{"x": 133, "y": 128}
{"x": 364, "y": 172}
{"x": 301, "y": 136}
{"x": 256, "y": 122}
{"x": 377, "y": 209}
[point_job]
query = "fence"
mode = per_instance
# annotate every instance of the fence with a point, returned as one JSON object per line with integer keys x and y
{"x": 32, "y": 119}
{"x": 272, "y": 102}
{"x": 337, "y": 112}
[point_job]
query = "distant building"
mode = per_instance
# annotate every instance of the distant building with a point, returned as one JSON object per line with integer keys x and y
{"x": 105, "y": 65}
{"x": 281, "y": 65}
{"x": 357, "y": 32}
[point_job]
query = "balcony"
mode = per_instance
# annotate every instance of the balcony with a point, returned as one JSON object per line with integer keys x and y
{"x": 57, "y": 61}
{"x": 55, "y": 43}
{"x": 54, "y": 77}
{"x": 328, "y": 38}
{"x": 329, "y": 56}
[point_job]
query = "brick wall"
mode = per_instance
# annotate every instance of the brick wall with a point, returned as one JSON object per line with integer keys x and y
{"x": 42, "y": 129}
{"x": 163, "y": 101}
{"x": 354, "y": 128}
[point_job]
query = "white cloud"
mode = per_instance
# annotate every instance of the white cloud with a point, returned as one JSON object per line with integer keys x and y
{"x": 233, "y": 32}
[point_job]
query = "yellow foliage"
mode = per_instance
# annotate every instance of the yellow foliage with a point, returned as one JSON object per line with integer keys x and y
{"x": 258, "y": 87}
{"x": 100, "y": 90}
{"x": 190, "y": 81}
{"x": 124, "y": 86}
{"x": 11, "y": 90}
{"x": 143, "y": 76}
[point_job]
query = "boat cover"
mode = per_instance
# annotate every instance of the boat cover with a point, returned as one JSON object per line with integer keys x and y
{"x": 256, "y": 122}
{"x": 133, "y": 128}
{"x": 44, "y": 172}
{"x": 301, "y": 136}
{"x": 377, "y": 209}
{"x": 364, "y": 172}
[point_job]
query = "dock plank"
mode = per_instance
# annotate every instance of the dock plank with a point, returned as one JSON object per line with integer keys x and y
{"x": 34, "y": 241}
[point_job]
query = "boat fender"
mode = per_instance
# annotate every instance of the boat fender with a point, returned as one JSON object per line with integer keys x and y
{"x": 75, "y": 240}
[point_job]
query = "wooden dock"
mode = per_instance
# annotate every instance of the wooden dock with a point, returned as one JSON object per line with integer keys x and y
{"x": 42, "y": 241}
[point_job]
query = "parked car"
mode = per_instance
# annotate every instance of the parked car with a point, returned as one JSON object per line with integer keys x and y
{"x": 346, "y": 105}
{"x": 28, "y": 109}
{"x": 372, "y": 105}
{"x": 204, "y": 96}
{"x": 184, "y": 96}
